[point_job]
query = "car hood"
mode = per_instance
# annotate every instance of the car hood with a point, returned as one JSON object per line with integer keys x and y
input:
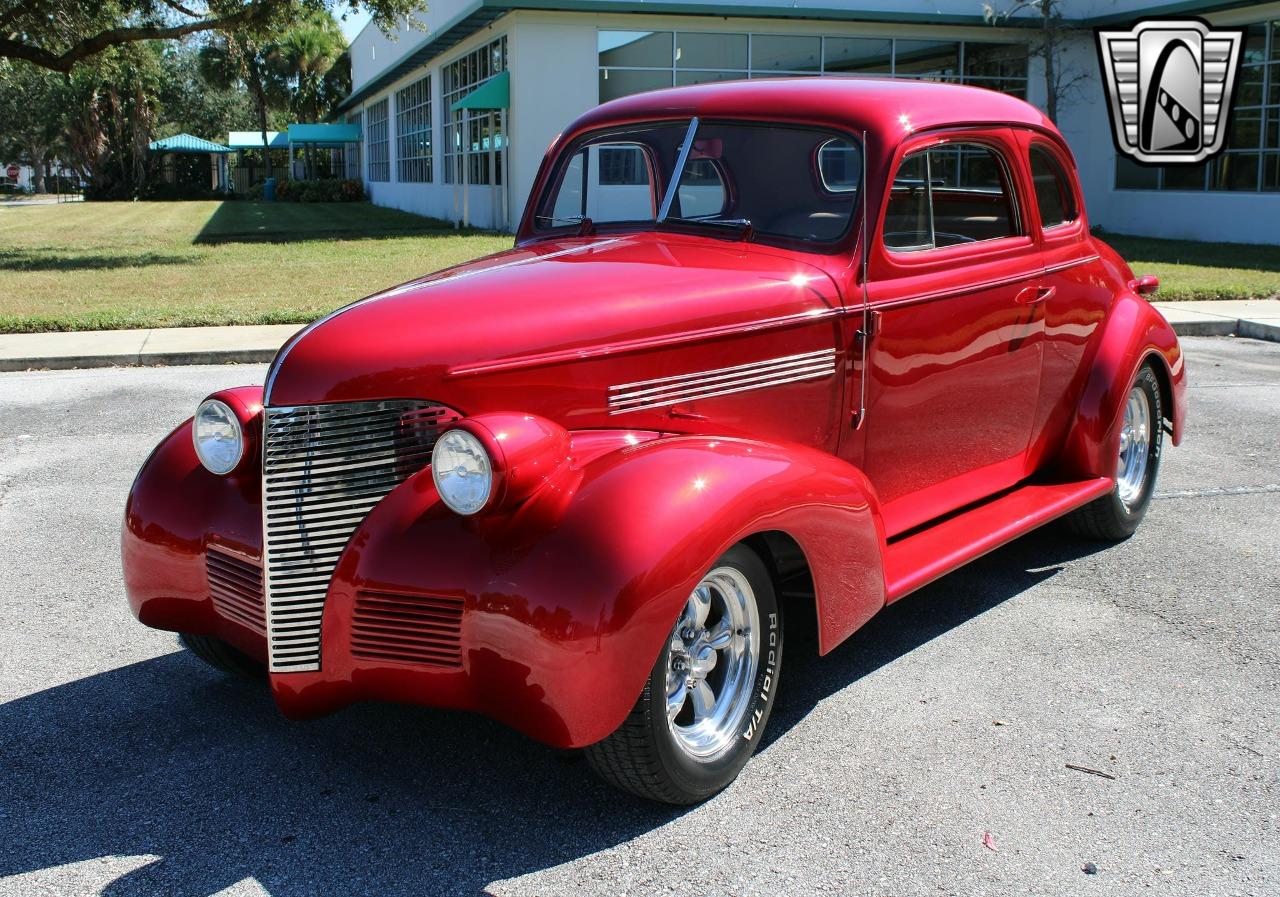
{"x": 543, "y": 308}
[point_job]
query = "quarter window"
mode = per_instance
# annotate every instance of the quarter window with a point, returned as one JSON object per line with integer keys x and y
{"x": 949, "y": 195}
{"x": 607, "y": 183}
{"x": 1054, "y": 197}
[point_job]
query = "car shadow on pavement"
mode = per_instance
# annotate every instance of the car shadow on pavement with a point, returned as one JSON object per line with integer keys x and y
{"x": 915, "y": 620}
{"x": 168, "y": 759}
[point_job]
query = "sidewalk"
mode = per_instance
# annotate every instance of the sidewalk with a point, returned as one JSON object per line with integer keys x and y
{"x": 1255, "y": 318}
{"x": 162, "y": 346}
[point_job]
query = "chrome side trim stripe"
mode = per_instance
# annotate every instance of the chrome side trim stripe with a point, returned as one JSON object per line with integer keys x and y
{"x": 1063, "y": 266}
{"x": 659, "y": 392}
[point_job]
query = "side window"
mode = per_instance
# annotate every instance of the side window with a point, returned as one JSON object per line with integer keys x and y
{"x": 605, "y": 182}
{"x": 948, "y": 195}
{"x": 1054, "y": 197}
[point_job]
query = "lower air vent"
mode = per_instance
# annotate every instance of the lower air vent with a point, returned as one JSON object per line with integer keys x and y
{"x": 420, "y": 629}
{"x": 235, "y": 585}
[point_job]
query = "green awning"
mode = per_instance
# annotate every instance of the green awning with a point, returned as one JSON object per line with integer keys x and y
{"x": 187, "y": 143}
{"x": 492, "y": 94}
{"x": 325, "y": 135}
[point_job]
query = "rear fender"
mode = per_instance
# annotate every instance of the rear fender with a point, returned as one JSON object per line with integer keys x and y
{"x": 1133, "y": 334}
{"x": 569, "y": 598}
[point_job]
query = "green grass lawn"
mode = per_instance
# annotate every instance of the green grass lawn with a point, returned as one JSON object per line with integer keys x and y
{"x": 1189, "y": 270}
{"x": 91, "y": 266}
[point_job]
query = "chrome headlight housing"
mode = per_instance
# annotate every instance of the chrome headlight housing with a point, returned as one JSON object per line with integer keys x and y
{"x": 463, "y": 472}
{"x": 218, "y": 436}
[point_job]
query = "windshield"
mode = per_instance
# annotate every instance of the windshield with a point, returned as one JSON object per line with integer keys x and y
{"x": 775, "y": 183}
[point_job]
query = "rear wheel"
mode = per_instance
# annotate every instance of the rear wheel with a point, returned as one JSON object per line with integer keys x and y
{"x": 1116, "y": 516}
{"x": 221, "y": 656}
{"x": 708, "y": 696}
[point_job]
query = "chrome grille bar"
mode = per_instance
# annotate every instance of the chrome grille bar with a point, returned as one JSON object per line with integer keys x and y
{"x": 324, "y": 468}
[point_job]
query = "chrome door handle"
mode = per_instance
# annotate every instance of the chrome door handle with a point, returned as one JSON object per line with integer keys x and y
{"x": 1036, "y": 295}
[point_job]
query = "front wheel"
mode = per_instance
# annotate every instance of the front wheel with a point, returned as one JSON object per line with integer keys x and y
{"x": 1115, "y": 516}
{"x": 708, "y": 697}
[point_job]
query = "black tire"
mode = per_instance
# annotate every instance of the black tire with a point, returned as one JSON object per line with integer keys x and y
{"x": 1108, "y": 519}
{"x": 221, "y": 656}
{"x": 643, "y": 756}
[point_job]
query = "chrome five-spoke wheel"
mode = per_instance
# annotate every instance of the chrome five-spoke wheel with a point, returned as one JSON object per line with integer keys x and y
{"x": 707, "y": 698}
{"x": 1135, "y": 447}
{"x": 712, "y": 663}
{"x": 1116, "y": 515}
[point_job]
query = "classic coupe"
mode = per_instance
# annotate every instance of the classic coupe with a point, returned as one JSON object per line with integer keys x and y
{"x": 762, "y": 350}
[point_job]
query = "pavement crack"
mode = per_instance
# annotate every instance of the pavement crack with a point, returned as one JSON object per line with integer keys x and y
{"x": 1216, "y": 491}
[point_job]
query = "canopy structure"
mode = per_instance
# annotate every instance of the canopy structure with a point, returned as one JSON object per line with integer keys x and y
{"x": 324, "y": 135}
{"x": 243, "y": 140}
{"x": 492, "y": 94}
{"x": 174, "y": 173}
{"x": 187, "y": 143}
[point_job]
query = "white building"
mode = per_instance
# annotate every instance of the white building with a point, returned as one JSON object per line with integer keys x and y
{"x": 561, "y": 57}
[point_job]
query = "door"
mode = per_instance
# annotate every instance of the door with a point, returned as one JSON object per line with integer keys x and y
{"x": 954, "y": 362}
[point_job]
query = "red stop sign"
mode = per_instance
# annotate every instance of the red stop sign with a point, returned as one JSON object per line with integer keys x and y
{"x": 12, "y": 171}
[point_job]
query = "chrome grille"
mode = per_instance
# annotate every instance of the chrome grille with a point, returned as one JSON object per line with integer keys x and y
{"x": 324, "y": 467}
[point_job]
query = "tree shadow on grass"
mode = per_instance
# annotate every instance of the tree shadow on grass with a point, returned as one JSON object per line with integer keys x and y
{"x": 166, "y": 758}
{"x": 49, "y": 260}
{"x": 1244, "y": 256}
{"x": 292, "y": 222}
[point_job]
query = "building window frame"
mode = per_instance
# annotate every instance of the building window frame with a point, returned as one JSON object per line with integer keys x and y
{"x": 378, "y": 140}
{"x": 414, "y": 132}
{"x": 464, "y": 156}
{"x": 678, "y": 73}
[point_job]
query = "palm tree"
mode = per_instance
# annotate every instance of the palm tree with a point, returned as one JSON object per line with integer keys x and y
{"x": 304, "y": 55}
{"x": 238, "y": 58}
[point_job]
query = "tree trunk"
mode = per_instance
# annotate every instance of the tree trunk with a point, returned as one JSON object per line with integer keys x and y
{"x": 1050, "y": 51}
{"x": 260, "y": 100}
{"x": 35, "y": 156}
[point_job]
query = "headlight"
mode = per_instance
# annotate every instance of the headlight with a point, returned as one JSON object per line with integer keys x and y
{"x": 218, "y": 436}
{"x": 463, "y": 471}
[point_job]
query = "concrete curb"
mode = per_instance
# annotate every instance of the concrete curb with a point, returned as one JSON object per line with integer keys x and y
{"x": 144, "y": 359}
{"x": 142, "y": 348}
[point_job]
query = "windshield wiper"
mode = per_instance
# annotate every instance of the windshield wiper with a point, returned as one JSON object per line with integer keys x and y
{"x": 742, "y": 225}
{"x": 585, "y": 224}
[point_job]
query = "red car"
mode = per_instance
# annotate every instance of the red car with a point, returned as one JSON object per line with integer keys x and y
{"x": 564, "y": 485}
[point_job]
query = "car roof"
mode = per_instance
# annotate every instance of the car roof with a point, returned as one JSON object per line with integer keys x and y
{"x": 887, "y": 109}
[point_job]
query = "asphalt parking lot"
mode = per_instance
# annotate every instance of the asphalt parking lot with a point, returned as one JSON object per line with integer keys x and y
{"x": 130, "y": 769}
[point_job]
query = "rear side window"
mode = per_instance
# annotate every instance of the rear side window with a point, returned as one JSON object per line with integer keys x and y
{"x": 1054, "y": 197}
{"x": 950, "y": 195}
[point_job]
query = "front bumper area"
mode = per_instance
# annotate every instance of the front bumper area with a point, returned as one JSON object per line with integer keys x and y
{"x": 421, "y": 609}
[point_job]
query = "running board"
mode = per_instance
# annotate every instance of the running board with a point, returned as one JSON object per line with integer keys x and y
{"x": 918, "y": 559}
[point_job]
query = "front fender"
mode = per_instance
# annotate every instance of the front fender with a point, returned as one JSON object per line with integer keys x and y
{"x": 1133, "y": 333}
{"x": 569, "y": 598}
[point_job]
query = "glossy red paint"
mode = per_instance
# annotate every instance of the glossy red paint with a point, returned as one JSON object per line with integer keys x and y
{"x": 986, "y": 405}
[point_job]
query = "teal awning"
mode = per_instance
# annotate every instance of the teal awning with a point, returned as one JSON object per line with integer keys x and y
{"x": 187, "y": 143}
{"x": 492, "y": 94}
{"x": 253, "y": 140}
{"x": 324, "y": 135}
